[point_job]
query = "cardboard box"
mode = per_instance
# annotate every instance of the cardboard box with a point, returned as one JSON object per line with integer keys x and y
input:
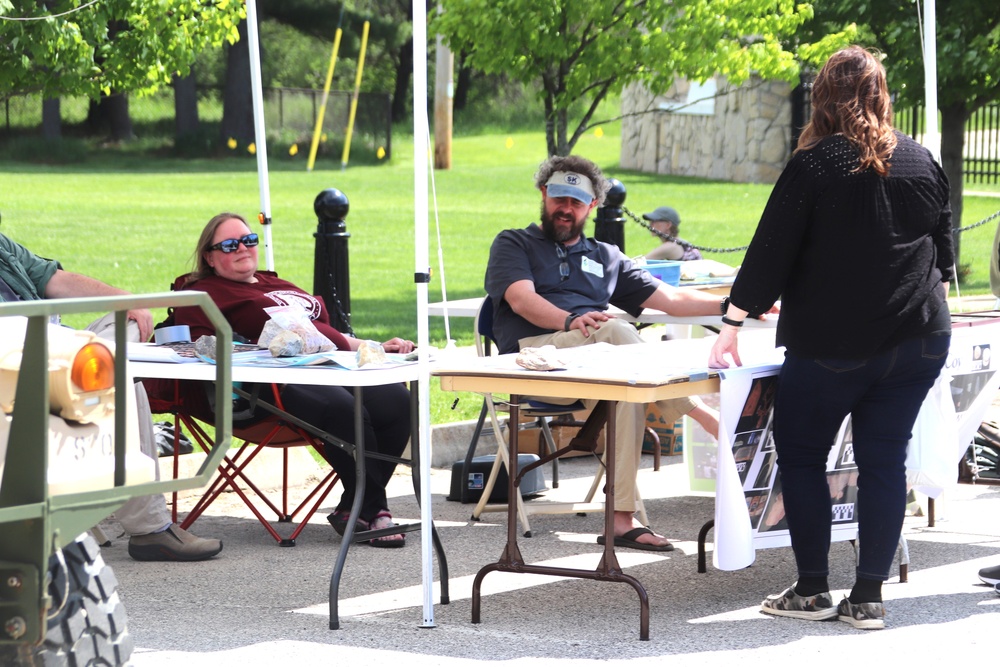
{"x": 671, "y": 436}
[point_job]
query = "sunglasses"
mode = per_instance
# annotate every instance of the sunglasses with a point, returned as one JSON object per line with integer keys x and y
{"x": 564, "y": 265}
{"x": 232, "y": 245}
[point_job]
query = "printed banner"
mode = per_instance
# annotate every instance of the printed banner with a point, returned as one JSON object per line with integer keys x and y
{"x": 749, "y": 505}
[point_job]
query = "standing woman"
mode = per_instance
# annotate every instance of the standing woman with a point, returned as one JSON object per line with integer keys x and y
{"x": 856, "y": 241}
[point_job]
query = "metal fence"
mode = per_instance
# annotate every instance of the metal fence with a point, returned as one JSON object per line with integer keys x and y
{"x": 981, "y": 159}
{"x": 289, "y": 113}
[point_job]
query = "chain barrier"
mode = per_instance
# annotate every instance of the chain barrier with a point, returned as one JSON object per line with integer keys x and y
{"x": 978, "y": 224}
{"x": 667, "y": 238}
{"x": 337, "y": 307}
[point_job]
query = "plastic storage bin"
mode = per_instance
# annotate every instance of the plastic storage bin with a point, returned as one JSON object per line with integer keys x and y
{"x": 666, "y": 270}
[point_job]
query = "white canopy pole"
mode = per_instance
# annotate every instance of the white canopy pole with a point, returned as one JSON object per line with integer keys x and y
{"x": 253, "y": 42}
{"x": 422, "y": 272}
{"x": 932, "y": 137}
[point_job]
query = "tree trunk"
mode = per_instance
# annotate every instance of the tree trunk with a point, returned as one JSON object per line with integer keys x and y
{"x": 550, "y": 125}
{"x": 237, "y": 97}
{"x": 462, "y": 82}
{"x": 403, "y": 72}
{"x": 185, "y": 105}
{"x": 953, "y": 120}
{"x": 561, "y": 121}
{"x": 116, "y": 106}
{"x": 110, "y": 115}
{"x": 51, "y": 119}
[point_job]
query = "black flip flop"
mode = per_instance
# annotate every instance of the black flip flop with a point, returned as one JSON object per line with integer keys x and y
{"x": 628, "y": 540}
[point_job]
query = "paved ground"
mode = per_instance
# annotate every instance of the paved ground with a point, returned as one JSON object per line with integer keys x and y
{"x": 259, "y": 604}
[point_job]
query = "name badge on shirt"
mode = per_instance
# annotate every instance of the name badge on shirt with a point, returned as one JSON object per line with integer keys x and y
{"x": 590, "y": 266}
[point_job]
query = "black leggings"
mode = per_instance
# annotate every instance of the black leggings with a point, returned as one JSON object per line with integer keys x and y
{"x": 387, "y": 430}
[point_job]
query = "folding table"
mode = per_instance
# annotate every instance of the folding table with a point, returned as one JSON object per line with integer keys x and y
{"x": 607, "y": 373}
{"x": 325, "y": 375}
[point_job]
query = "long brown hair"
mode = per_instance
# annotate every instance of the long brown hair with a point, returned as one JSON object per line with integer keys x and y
{"x": 850, "y": 97}
{"x": 200, "y": 266}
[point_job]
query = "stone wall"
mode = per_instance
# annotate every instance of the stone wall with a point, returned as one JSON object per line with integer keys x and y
{"x": 745, "y": 136}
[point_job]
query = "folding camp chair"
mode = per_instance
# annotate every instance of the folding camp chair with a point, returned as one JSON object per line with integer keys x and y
{"x": 541, "y": 413}
{"x": 183, "y": 401}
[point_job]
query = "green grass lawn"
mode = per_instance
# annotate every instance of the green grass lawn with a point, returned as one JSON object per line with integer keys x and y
{"x": 133, "y": 221}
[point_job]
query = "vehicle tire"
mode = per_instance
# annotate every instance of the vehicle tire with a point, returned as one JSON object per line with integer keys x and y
{"x": 87, "y": 626}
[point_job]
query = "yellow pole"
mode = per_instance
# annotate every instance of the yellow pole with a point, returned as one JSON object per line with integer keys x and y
{"x": 354, "y": 100}
{"x": 318, "y": 130}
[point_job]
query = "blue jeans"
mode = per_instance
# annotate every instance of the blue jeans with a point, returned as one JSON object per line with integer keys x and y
{"x": 883, "y": 395}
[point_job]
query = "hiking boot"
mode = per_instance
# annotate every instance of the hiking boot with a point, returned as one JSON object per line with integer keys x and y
{"x": 174, "y": 543}
{"x": 817, "y": 607}
{"x": 863, "y": 616}
{"x": 990, "y": 575}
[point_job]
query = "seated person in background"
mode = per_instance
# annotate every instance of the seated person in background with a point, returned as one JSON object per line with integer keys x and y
{"x": 663, "y": 224}
{"x": 551, "y": 285}
{"x": 225, "y": 266}
{"x": 24, "y": 276}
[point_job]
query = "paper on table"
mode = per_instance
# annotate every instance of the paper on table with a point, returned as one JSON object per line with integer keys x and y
{"x": 181, "y": 353}
{"x": 157, "y": 354}
{"x": 342, "y": 359}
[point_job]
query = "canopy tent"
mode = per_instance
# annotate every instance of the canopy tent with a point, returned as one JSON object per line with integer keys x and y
{"x": 421, "y": 157}
{"x": 421, "y": 148}
{"x": 932, "y": 138}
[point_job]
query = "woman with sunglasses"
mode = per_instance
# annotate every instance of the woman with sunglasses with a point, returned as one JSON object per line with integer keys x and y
{"x": 225, "y": 266}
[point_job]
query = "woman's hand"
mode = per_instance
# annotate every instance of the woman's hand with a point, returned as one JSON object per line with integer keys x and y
{"x": 773, "y": 310}
{"x": 400, "y": 345}
{"x": 724, "y": 344}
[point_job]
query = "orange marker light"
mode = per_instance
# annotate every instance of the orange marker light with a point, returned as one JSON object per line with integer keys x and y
{"x": 93, "y": 368}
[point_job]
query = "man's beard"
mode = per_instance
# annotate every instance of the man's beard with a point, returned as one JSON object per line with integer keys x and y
{"x": 549, "y": 227}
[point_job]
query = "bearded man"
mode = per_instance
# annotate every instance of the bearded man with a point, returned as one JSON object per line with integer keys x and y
{"x": 552, "y": 285}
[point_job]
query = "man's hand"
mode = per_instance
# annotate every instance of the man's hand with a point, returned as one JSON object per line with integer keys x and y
{"x": 144, "y": 319}
{"x": 592, "y": 319}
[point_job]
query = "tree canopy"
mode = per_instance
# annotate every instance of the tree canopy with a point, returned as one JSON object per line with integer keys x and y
{"x": 81, "y": 47}
{"x": 968, "y": 62}
{"x": 580, "y": 52}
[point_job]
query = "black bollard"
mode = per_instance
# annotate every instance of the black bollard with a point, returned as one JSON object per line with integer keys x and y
{"x": 609, "y": 224}
{"x": 331, "y": 269}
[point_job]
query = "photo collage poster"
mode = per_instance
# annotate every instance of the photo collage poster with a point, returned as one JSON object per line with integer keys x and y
{"x": 756, "y": 464}
{"x": 747, "y": 402}
{"x": 974, "y": 381}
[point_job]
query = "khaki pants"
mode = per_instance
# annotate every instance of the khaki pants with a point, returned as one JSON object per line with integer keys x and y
{"x": 630, "y": 417}
{"x": 143, "y": 514}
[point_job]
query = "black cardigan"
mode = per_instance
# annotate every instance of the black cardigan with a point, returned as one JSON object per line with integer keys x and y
{"x": 856, "y": 258}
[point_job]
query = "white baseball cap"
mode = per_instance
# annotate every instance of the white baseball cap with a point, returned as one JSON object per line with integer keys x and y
{"x": 570, "y": 184}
